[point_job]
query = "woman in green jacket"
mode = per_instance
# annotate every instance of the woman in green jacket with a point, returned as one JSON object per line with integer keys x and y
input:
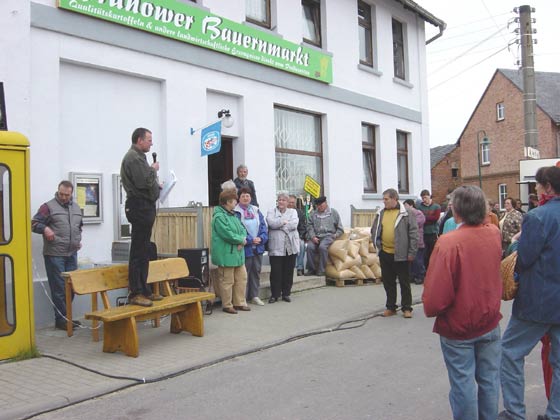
{"x": 228, "y": 241}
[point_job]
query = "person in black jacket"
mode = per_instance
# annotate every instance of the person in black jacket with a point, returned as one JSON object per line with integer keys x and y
{"x": 302, "y": 231}
{"x": 242, "y": 182}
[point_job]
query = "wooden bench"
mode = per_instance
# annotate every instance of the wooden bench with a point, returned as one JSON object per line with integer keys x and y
{"x": 119, "y": 323}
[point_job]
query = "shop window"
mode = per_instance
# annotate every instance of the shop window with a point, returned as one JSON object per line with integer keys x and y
{"x": 297, "y": 137}
{"x": 365, "y": 33}
{"x": 311, "y": 10}
{"x": 369, "y": 158}
{"x": 258, "y": 12}
{"x": 402, "y": 161}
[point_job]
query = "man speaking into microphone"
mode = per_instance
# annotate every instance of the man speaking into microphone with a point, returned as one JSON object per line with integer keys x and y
{"x": 139, "y": 180}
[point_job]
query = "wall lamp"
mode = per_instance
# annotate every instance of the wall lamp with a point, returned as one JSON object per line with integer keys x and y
{"x": 224, "y": 115}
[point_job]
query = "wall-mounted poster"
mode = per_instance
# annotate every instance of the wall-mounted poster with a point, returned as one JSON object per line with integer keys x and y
{"x": 122, "y": 226}
{"x": 87, "y": 194}
{"x": 3, "y": 117}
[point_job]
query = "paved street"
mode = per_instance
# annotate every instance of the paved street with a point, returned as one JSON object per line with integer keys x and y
{"x": 386, "y": 369}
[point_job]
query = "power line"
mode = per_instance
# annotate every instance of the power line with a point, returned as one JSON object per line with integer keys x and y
{"x": 451, "y": 28}
{"x": 468, "y": 50}
{"x": 493, "y": 48}
{"x": 495, "y": 24}
{"x": 468, "y": 68}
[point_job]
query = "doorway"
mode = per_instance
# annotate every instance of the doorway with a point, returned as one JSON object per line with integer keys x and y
{"x": 220, "y": 169}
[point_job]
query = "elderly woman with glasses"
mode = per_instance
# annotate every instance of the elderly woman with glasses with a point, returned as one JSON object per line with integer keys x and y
{"x": 283, "y": 248}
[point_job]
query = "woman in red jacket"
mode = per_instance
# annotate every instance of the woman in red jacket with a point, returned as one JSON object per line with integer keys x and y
{"x": 463, "y": 289}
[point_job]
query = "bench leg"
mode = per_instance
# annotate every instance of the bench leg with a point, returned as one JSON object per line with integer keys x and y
{"x": 122, "y": 336}
{"x": 189, "y": 320}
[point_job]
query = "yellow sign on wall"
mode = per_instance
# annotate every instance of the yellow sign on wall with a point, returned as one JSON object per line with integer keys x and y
{"x": 312, "y": 187}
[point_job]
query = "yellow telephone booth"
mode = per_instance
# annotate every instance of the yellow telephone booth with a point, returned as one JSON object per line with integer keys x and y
{"x": 17, "y": 331}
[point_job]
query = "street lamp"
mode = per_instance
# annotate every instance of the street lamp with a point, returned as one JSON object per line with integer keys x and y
{"x": 485, "y": 141}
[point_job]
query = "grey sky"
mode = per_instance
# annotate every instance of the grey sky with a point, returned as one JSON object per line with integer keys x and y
{"x": 459, "y": 63}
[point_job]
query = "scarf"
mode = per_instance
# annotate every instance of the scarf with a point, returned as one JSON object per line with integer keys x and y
{"x": 246, "y": 213}
{"x": 546, "y": 197}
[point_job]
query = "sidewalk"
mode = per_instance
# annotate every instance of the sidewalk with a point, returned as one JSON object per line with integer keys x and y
{"x": 34, "y": 386}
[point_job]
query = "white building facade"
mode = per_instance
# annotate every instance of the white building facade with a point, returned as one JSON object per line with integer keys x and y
{"x": 79, "y": 77}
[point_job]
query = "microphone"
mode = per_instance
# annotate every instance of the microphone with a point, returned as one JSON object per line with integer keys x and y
{"x": 154, "y": 156}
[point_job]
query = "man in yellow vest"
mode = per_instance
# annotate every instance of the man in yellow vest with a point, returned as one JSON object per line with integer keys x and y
{"x": 395, "y": 235}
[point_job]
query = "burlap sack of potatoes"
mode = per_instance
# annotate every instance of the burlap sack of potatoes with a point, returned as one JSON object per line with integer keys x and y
{"x": 370, "y": 259}
{"x": 364, "y": 246}
{"x": 347, "y": 263}
{"x": 358, "y": 273}
{"x": 339, "y": 249}
{"x": 353, "y": 248}
{"x": 376, "y": 268}
{"x": 333, "y": 273}
{"x": 367, "y": 271}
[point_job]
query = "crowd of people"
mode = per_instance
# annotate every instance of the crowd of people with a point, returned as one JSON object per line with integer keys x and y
{"x": 455, "y": 253}
{"x": 241, "y": 235}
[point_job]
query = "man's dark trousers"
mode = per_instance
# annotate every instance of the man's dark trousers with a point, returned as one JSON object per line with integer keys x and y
{"x": 390, "y": 270}
{"x": 141, "y": 214}
{"x": 430, "y": 240}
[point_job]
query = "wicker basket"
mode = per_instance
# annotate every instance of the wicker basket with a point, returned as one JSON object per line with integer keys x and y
{"x": 508, "y": 281}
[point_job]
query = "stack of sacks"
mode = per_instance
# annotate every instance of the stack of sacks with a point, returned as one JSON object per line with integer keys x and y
{"x": 350, "y": 257}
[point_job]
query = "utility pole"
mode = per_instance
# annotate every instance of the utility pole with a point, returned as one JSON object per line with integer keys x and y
{"x": 528, "y": 69}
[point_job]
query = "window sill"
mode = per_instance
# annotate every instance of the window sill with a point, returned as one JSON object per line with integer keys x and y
{"x": 315, "y": 47}
{"x": 271, "y": 30}
{"x": 485, "y": 164}
{"x": 403, "y": 83}
{"x": 369, "y": 69}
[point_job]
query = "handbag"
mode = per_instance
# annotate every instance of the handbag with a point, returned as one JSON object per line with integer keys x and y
{"x": 509, "y": 284}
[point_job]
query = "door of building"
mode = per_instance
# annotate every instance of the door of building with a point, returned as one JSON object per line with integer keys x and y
{"x": 17, "y": 332}
{"x": 220, "y": 169}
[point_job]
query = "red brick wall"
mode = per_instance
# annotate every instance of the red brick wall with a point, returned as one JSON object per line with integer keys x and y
{"x": 507, "y": 137}
{"x": 442, "y": 181}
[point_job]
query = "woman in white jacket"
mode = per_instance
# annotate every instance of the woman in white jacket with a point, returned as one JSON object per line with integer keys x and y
{"x": 283, "y": 247}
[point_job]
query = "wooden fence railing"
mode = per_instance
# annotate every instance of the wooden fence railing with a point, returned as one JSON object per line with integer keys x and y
{"x": 182, "y": 227}
{"x": 362, "y": 217}
{"x": 191, "y": 227}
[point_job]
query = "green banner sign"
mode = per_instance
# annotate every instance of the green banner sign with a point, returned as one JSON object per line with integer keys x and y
{"x": 182, "y": 22}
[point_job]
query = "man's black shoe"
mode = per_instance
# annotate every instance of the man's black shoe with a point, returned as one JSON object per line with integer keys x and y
{"x": 310, "y": 273}
{"x": 61, "y": 325}
{"x": 542, "y": 417}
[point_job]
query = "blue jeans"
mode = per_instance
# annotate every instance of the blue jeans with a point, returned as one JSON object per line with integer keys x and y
{"x": 519, "y": 339}
{"x": 54, "y": 267}
{"x": 473, "y": 368}
{"x": 301, "y": 255}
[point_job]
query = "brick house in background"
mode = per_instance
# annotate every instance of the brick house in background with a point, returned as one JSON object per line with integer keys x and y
{"x": 446, "y": 170}
{"x": 500, "y": 113}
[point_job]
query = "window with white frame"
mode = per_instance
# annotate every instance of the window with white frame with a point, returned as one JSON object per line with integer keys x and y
{"x": 402, "y": 161}
{"x": 297, "y": 137}
{"x": 369, "y": 158}
{"x": 258, "y": 12}
{"x": 311, "y": 10}
{"x": 398, "y": 50}
{"x": 500, "y": 111}
{"x": 365, "y": 33}
{"x": 485, "y": 154}
{"x": 502, "y": 194}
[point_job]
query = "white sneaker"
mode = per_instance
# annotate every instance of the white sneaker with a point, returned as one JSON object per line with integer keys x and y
{"x": 257, "y": 301}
